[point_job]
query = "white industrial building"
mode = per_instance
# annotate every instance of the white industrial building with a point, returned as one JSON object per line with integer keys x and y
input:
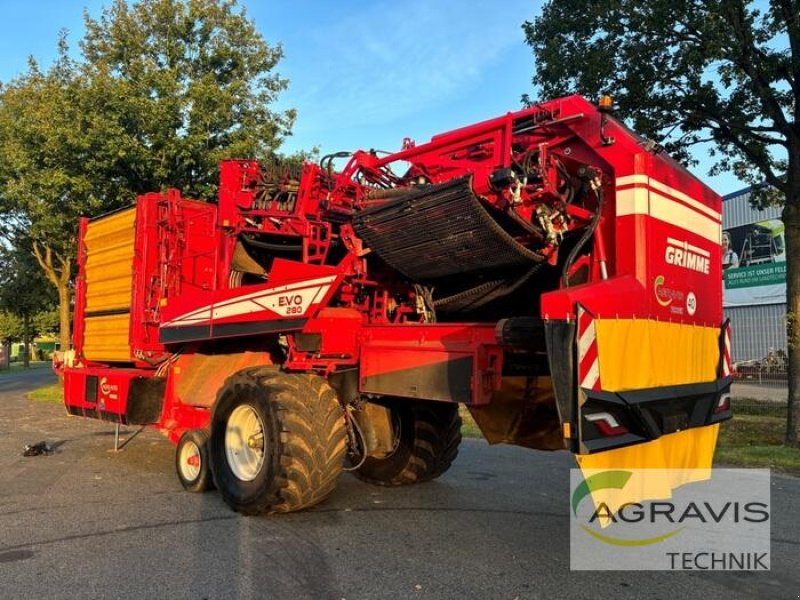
{"x": 758, "y": 318}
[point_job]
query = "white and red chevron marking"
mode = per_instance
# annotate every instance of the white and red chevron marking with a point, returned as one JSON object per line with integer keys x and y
{"x": 726, "y": 352}
{"x": 588, "y": 359}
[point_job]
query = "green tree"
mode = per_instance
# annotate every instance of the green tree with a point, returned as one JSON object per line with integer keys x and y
{"x": 686, "y": 72}
{"x": 45, "y": 322}
{"x": 189, "y": 82}
{"x": 24, "y": 292}
{"x": 10, "y": 327}
{"x": 162, "y": 91}
{"x": 44, "y": 185}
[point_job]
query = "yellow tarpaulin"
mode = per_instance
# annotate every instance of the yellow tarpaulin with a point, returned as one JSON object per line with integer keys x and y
{"x": 640, "y": 353}
{"x": 636, "y": 354}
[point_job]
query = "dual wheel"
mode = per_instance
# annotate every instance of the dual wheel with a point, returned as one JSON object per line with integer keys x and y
{"x": 277, "y": 443}
{"x": 427, "y": 438}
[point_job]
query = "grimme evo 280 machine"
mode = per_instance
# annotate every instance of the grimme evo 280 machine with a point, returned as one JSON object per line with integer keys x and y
{"x": 549, "y": 269}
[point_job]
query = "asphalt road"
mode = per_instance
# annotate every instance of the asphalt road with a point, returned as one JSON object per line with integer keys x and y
{"x": 88, "y": 523}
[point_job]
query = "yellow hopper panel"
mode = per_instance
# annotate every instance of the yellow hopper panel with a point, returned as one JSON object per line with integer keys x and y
{"x": 109, "y": 245}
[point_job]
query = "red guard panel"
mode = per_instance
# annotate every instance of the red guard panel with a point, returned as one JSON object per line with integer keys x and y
{"x": 452, "y": 363}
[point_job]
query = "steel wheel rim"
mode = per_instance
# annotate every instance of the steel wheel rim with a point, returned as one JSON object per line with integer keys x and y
{"x": 244, "y": 443}
{"x": 188, "y": 451}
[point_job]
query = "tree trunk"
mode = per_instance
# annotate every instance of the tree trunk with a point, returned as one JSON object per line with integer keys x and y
{"x": 791, "y": 221}
{"x": 26, "y": 341}
{"x": 59, "y": 274}
{"x": 63, "y": 317}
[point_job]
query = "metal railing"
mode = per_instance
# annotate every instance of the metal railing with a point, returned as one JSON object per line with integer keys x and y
{"x": 760, "y": 386}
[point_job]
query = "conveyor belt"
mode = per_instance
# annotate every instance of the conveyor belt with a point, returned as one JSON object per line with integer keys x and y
{"x": 435, "y": 231}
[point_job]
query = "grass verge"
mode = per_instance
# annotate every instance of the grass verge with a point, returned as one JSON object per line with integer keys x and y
{"x": 750, "y": 440}
{"x": 53, "y": 394}
{"x": 469, "y": 428}
{"x": 752, "y": 406}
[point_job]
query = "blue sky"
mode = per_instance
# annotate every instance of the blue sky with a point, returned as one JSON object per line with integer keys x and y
{"x": 362, "y": 75}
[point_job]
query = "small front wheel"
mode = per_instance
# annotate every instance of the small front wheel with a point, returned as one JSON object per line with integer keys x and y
{"x": 191, "y": 461}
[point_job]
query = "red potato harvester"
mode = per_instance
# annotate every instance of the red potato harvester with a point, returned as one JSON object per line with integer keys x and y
{"x": 548, "y": 269}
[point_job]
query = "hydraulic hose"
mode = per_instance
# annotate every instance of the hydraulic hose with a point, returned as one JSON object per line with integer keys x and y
{"x": 598, "y": 192}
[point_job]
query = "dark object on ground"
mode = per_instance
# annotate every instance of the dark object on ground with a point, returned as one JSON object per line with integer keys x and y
{"x": 38, "y": 449}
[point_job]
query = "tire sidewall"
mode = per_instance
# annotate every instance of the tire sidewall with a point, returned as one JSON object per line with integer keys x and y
{"x": 203, "y": 480}
{"x": 237, "y": 493}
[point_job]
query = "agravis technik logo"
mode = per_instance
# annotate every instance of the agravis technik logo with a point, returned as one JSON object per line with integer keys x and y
{"x": 670, "y": 519}
{"x": 603, "y": 513}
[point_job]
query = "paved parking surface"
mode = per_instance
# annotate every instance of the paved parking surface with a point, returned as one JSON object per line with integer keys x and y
{"x": 88, "y": 523}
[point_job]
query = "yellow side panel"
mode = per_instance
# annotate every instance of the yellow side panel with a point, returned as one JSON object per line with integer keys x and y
{"x": 640, "y": 353}
{"x": 106, "y": 338}
{"x": 109, "y": 281}
{"x": 109, "y": 261}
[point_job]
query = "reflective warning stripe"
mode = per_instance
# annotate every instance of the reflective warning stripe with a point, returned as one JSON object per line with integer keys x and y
{"x": 588, "y": 359}
{"x": 726, "y": 352}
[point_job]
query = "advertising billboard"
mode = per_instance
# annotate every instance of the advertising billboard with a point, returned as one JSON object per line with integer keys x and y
{"x": 754, "y": 264}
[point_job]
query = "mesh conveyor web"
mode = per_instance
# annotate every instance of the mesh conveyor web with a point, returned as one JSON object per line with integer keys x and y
{"x": 440, "y": 230}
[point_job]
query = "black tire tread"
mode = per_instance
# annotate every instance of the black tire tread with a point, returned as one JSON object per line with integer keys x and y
{"x": 311, "y": 444}
{"x": 431, "y": 452}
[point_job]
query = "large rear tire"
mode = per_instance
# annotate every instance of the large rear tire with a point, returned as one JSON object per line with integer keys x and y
{"x": 277, "y": 441}
{"x": 428, "y": 436}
